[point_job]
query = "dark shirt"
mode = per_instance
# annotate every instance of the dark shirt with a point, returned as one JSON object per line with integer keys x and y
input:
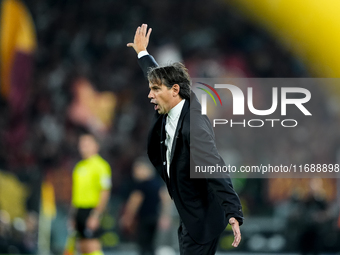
{"x": 150, "y": 190}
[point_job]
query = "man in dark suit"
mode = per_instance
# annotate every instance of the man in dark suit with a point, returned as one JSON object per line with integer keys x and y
{"x": 205, "y": 205}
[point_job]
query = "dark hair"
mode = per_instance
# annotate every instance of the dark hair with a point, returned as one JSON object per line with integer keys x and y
{"x": 175, "y": 73}
{"x": 143, "y": 161}
{"x": 85, "y": 132}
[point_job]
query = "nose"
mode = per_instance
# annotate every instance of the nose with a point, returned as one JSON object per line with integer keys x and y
{"x": 150, "y": 94}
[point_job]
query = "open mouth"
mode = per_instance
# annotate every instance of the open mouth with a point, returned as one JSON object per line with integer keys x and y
{"x": 156, "y": 106}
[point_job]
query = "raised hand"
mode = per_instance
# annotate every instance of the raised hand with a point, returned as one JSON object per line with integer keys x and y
{"x": 141, "y": 39}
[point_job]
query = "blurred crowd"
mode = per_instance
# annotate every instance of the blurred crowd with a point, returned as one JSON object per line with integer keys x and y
{"x": 87, "y": 40}
{"x": 18, "y": 236}
{"x": 82, "y": 52}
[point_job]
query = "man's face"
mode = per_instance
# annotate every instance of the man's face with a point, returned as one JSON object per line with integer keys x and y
{"x": 141, "y": 172}
{"x": 87, "y": 146}
{"x": 161, "y": 96}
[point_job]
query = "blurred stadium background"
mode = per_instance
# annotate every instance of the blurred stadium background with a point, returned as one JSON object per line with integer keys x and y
{"x": 65, "y": 65}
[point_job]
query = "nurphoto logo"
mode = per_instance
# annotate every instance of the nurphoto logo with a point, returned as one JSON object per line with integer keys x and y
{"x": 239, "y": 105}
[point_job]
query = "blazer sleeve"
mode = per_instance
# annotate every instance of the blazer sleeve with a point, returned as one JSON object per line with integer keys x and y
{"x": 204, "y": 153}
{"x": 146, "y": 62}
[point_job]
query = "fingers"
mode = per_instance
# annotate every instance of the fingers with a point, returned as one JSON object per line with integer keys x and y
{"x": 236, "y": 230}
{"x": 143, "y": 29}
{"x": 237, "y": 238}
{"x": 141, "y": 39}
{"x": 149, "y": 32}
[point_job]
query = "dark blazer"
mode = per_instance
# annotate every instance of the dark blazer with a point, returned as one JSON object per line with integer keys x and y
{"x": 204, "y": 205}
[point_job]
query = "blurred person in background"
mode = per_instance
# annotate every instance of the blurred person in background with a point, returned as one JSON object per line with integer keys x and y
{"x": 207, "y": 205}
{"x": 90, "y": 194}
{"x": 143, "y": 207}
{"x": 315, "y": 216}
{"x": 5, "y": 231}
{"x": 30, "y": 238}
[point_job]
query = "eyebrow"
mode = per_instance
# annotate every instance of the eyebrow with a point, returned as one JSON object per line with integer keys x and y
{"x": 154, "y": 86}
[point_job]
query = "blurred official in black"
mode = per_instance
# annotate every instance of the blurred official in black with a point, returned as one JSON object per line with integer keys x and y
{"x": 147, "y": 207}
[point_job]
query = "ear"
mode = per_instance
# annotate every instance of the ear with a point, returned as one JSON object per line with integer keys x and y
{"x": 175, "y": 90}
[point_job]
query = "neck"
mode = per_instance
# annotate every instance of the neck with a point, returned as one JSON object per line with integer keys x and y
{"x": 89, "y": 156}
{"x": 176, "y": 102}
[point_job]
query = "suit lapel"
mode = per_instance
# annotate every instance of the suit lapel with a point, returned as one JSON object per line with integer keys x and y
{"x": 154, "y": 140}
{"x": 179, "y": 125}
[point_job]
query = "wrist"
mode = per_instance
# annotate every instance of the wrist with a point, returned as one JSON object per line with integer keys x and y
{"x": 142, "y": 53}
{"x": 233, "y": 220}
{"x": 140, "y": 50}
{"x": 95, "y": 213}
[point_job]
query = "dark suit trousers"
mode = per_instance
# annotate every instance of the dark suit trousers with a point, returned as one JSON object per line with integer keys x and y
{"x": 187, "y": 246}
